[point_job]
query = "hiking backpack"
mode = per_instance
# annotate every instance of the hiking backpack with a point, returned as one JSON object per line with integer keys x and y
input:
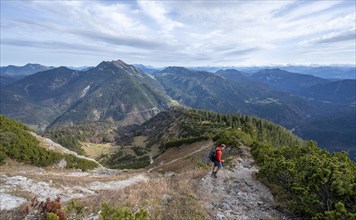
{"x": 212, "y": 155}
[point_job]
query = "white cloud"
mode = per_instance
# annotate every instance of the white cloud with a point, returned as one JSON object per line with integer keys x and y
{"x": 331, "y": 38}
{"x": 156, "y": 11}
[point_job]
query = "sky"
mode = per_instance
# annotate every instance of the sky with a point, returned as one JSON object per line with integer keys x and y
{"x": 178, "y": 33}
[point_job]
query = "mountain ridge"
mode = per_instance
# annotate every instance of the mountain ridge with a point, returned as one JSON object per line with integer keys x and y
{"x": 68, "y": 91}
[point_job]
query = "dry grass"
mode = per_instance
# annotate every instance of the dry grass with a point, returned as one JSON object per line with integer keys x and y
{"x": 140, "y": 141}
{"x": 176, "y": 159}
{"x": 14, "y": 214}
{"x": 96, "y": 150}
{"x": 164, "y": 197}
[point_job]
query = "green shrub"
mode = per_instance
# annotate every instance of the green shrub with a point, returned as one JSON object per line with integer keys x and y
{"x": 139, "y": 151}
{"x": 2, "y": 157}
{"x": 79, "y": 163}
{"x": 201, "y": 165}
{"x": 233, "y": 138}
{"x": 181, "y": 141}
{"x": 74, "y": 210}
{"x": 129, "y": 162}
{"x": 308, "y": 180}
{"x": 117, "y": 213}
{"x": 52, "y": 216}
{"x": 18, "y": 144}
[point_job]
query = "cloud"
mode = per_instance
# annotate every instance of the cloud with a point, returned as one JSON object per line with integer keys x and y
{"x": 156, "y": 11}
{"x": 117, "y": 40}
{"x": 51, "y": 45}
{"x": 333, "y": 37}
{"x": 240, "y": 52}
{"x": 179, "y": 33}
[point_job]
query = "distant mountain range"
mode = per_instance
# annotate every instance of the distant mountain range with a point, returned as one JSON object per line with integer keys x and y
{"x": 110, "y": 91}
{"x": 10, "y": 74}
{"x": 326, "y": 72}
{"x": 285, "y": 81}
{"x": 118, "y": 92}
{"x": 26, "y": 70}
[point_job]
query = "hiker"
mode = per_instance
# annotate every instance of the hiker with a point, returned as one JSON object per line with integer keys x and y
{"x": 217, "y": 160}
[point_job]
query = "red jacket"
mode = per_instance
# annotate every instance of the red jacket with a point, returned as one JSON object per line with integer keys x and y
{"x": 218, "y": 153}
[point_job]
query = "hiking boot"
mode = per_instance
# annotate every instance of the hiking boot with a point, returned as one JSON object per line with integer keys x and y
{"x": 214, "y": 174}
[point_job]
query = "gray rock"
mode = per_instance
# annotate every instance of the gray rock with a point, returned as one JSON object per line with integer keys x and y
{"x": 167, "y": 198}
{"x": 9, "y": 202}
{"x": 62, "y": 164}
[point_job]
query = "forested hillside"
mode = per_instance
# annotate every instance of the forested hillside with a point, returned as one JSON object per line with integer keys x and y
{"x": 190, "y": 123}
{"x": 18, "y": 144}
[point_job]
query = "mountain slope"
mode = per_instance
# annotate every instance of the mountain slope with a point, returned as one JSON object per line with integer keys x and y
{"x": 218, "y": 93}
{"x": 116, "y": 91}
{"x": 326, "y": 72}
{"x": 341, "y": 92}
{"x": 182, "y": 124}
{"x": 111, "y": 91}
{"x": 38, "y": 99}
{"x": 329, "y": 129}
{"x": 23, "y": 71}
{"x": 19, "y": 144}
{"x": 281, "y": 80}
{"x": 7, "y": 80}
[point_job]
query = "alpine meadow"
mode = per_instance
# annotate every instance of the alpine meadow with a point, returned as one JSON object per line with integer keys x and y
{"x": 149, "y": 110}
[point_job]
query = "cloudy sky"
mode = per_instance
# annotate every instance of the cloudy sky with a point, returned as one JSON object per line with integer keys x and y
{"x": 185, "y": 33}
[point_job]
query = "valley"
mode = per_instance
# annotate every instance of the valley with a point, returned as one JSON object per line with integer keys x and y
{"x": 174, "y": 180}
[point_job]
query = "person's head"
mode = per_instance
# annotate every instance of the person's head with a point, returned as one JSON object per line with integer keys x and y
{"x": 223, "y": 146}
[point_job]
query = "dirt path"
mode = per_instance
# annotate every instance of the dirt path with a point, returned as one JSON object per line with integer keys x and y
{"x": 237, "y": 195}
{"x": 203, "y": 147}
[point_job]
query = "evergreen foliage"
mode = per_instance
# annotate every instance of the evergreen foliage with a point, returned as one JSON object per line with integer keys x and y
{"x": 67, "y": 140}
{"x": 180, "y": 141}
{"x": 139, "y": 151}
{"x": 308, "y": 180}
{"x": 127, "y": 161}
{"x": 198, "y": 125}
{"x": 18, "y": 144}
{"x": 94, "y": 132}
{"x": 109, "y": 212}
{"x": 79, "y": 163}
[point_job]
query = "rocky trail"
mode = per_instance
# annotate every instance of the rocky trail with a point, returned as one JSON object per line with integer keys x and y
{"x": 236, "y": 194}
